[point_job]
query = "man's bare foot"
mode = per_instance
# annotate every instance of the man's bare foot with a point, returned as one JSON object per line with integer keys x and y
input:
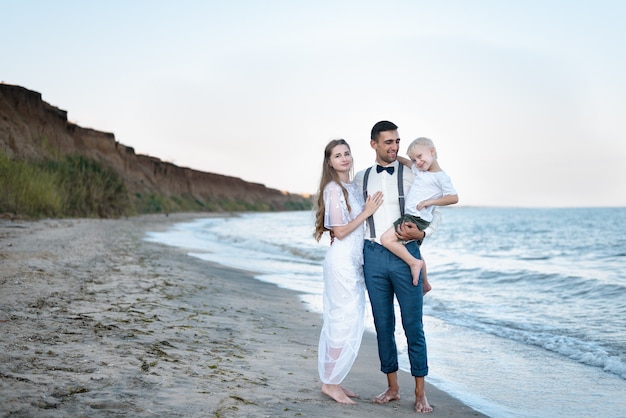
{"x": 422, "y": 406}
{"x": 337, "y": 393}
{"x": 349, "y": 392}
{"x": 387, "y": 396}
{"x": 416, "y": 268}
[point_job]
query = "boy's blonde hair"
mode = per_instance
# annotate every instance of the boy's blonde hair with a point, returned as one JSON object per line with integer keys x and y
{"x": 425, "y": 142}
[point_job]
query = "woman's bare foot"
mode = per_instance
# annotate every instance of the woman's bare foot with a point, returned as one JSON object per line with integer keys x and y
{"x": 416, "y": 268}
{"x": 422, "y": 406}
{"x": 349, "y": 392}
{"x": 387, "y": 396}
{"x": 336, "y": 392}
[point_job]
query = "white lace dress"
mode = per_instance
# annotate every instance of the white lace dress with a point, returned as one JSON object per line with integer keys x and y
{"x": 344, "y": 288}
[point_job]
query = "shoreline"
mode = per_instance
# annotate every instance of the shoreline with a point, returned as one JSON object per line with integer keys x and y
{"x": 97, "y": 321}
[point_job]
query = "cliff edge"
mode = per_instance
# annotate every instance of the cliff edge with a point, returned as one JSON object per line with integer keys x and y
{"x": 33, "y": 130}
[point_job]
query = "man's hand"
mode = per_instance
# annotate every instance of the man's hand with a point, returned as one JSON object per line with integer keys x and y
{"x": 409, "y": 231}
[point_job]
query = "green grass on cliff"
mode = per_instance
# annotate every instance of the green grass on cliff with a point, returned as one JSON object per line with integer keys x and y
{"x": 73, "y": 186}
{"x": 76, "y": 186}
{"x": 156, "y": 203}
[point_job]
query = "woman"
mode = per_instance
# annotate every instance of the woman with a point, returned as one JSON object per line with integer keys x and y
{"x": 341, "y": 210}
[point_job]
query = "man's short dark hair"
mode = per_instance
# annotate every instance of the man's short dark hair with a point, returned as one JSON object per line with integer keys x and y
{"x": 382, "y": 126}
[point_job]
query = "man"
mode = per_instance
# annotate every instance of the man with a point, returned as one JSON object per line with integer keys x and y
{"x": 386, "y": 274}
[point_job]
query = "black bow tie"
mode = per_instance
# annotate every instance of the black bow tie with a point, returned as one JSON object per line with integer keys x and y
{"x": 388, "y": 169}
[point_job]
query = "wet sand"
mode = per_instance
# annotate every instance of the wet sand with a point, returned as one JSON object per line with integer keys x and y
{"x": 94, "y": 321}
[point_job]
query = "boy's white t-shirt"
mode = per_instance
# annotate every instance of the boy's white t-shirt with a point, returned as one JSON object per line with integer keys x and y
{"x": 427, "y": 185}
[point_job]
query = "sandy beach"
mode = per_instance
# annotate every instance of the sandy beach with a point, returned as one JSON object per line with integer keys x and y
{"x": 95, "y": 321}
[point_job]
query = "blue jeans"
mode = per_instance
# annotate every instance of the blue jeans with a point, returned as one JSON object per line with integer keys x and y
{"x": 386, "y": 275}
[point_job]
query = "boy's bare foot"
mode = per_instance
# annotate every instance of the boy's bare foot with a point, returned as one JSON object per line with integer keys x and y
{"x": 416, "y": 268}
{"x": 422, "y": 406}
{"x": 426, "y": 287}
{"x": 336, "y": 392}
{"x": 387, "y": 396}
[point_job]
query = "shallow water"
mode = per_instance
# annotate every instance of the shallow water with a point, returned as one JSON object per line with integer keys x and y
{"x": 527, "y": 304}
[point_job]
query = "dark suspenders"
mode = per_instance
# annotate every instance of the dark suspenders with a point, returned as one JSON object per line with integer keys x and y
{"x": 401, "y": 188}
{"x": 370, "y": 220}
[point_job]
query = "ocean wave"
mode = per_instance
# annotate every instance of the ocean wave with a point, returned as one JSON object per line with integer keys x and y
{"x": 534, "y": 257}
{"x": 611, "y": 359}
{"x": 589, "y": 353}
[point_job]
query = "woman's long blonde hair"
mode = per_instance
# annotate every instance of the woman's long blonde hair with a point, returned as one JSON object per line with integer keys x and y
{"x": 328, "y": 174}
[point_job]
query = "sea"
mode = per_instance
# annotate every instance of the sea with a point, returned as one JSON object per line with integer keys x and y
{"x": 527, "y": 316}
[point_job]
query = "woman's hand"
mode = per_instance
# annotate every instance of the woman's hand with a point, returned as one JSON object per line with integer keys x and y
{"x": 372, "y": 203}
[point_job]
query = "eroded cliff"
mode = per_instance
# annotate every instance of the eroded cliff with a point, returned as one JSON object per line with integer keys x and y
{"x": 31, "y": 129}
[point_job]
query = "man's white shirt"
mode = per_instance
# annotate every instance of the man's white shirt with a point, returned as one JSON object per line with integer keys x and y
{"x": 387, "y": 183}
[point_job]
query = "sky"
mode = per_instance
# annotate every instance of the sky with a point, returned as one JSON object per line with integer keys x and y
{"x": 525, "y": 100}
